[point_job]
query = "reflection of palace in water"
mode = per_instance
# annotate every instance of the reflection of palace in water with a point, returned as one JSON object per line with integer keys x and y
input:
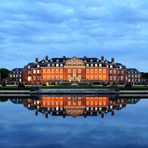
{"x": 75, "y": 106}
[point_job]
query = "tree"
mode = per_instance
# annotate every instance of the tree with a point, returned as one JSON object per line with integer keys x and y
{"x": 144, "y": 75}
{"x": 4, "y": 73}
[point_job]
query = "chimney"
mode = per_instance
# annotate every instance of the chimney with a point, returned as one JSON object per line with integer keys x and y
{"x": 102, "y": 58}
{"x": 46, "y": 58}
{"x": 112, "y": 60}
{"x": 36, "y": 60}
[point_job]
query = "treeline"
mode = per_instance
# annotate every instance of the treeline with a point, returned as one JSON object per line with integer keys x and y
{"x": 4, "y": 73}
{"x": 144, "y": 75}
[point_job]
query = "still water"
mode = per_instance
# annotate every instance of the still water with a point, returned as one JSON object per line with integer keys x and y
{"x": 73, "y": 122}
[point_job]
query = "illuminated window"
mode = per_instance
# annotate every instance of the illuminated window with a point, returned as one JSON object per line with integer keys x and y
{"x": 44, "y": 70}
{"x": 57, "y": 70}
{"x": 29, "y": 78}
{"x": 57, "y": 65}
{"x": 100, "y": 70}
{"x": 79, "y": 70}
{"x": 91, "y": 65}
{"x": 100, "y": 77}
{"x": 44, "y": 77}
{"x": 74, "y": 70}
{"x": 79, "y": 76}
{"x": 34, "y": 77}
{"x": 69, "y": 70}
{"x": 61, "y": 70}
{"x": 61, "y": 77}
{"x": 104, "y": 77}
{"x": 38, "y": 71}
{"x": 96, "y": 65}
{"x": 48, "y": 70}
{"x": 34, "y": 71}
{"x": 100, "y": 65}
{"x": 104, "y": 70}
{"x": 52, "y": 70}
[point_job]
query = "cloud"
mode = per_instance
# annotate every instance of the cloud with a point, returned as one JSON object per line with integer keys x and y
{"x": 40, "y": 27}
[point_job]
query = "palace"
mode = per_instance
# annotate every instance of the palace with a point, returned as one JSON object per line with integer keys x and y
{"x": 74, "y": 69}
{"x": 65, "y": 69}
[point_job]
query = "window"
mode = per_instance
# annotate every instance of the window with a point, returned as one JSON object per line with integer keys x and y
{"x": 100, "y": 65}
{"x": 91, "y": 70}
{"x": 79, "y": 76}
{"x": 57, "y": 65}
{"x": 48, "y": 70}
{"x": 52, "y": 70}
{"x": 61, "y": 70}
{"x": 69, "y": 70}
{"x": 100, "y": 77}
{"x": 44, "y": 70}
{"x": 87, "y": 70}
{"x": 74, "y": 70}
{"x": 57, "y": 70}
{"x": 34, "y": 71}
{"x": 79, "y": 70}
{"x": 100, "y": 70}
{"x": 34, "y": 77}
{"x": 104, "y": 70}
{"x": 91, "y": 65}
{"x": 96, "y": 65}
{"x": 96, "y": 70}
{"x": 61, "y": 77}
{"x": 87, "y": 65}
{"x": 38, "y": 71}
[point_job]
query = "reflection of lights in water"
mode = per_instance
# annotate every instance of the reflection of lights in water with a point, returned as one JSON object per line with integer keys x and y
{"x": 75, "y": 106}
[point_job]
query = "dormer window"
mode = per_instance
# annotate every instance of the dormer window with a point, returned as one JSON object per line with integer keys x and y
{"x": 57, "y": 60}
{"x": 48, "y": 65}
{"x": 28, "y": 67}
{"x": 38, "y": 66}
{"x": 91, "y": 60}
{"x": 57, "y": 65}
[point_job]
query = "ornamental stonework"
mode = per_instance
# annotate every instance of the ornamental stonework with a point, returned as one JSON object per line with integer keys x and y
{"x": 74, "y": 61}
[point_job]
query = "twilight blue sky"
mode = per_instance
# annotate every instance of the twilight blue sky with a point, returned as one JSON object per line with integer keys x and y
{"x": 35, "y": 28}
